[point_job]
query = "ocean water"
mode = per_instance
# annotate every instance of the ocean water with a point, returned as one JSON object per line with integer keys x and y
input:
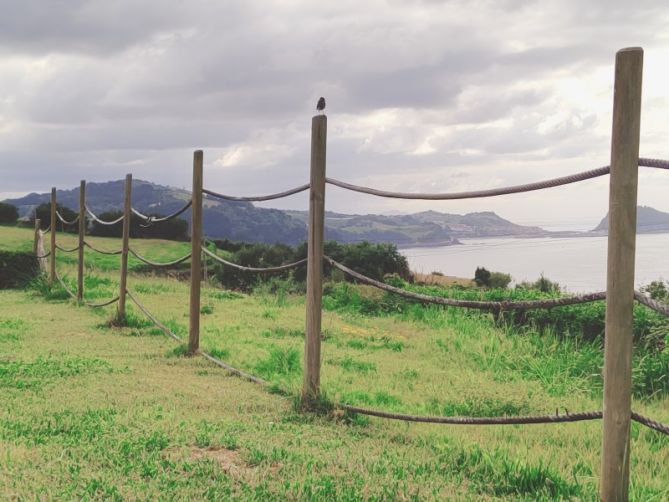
{"x": 576, "y": 263}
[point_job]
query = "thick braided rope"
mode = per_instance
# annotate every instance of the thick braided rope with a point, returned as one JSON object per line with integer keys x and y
{"x": 44, "y": 232}
{"x": 90, "y": 246}
{"x": 474, "y": 304}
{"x": 215, "y": 360}
{"x": 528, "y": 187}
{"x": 42, "y": 256}
{"x": 102, "y": 222}
{"x": 62, "y": 283}
{"x": 153, "y": 319}
{"x": 67, "y": 250}
{"x": 150, "y": 220}
{"x": 253, "y": 269}
{"x": 157, "y": 264}
{"x": 258, "y": 198}
{"x": 506, "y": 420}
{"x": 652, "y": 424}
{"x": 657, "y": 306}
{"x": 66, "y": 222}
{"x": 103, "y": 304}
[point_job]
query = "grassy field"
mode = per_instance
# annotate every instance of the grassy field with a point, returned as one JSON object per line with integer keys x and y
{"x": 105, "y": 413}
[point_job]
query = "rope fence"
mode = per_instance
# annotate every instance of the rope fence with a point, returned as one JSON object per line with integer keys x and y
{"x": 67, "y": 250}
{"x": 620, "y": 295}
{"x": 67, "y": 222}
{"x": 101, "y": 251}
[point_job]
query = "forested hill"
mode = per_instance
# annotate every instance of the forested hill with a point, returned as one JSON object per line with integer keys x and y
{"x": 242, "y": 221}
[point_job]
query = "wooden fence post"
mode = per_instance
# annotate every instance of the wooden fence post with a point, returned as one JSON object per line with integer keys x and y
{"x": 196, "y": 254}
{"x": 614, "y": 482}
{"x": 52, "y": 256}
{"x": 312, "y": 339}
{"x": 127, "y": 210}
{"x": 37, "y": 230}
{"x": 82, "y": 230}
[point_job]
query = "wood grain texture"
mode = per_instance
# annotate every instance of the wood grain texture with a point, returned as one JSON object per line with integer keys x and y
{"x": 52, "y": 235}
{"x": 614, "y": 482}
{"x": 312, "y": 340}
{"x": 127, "y": 211}
{"x": 196, "y": 254}
{"x": 82, "y": 232}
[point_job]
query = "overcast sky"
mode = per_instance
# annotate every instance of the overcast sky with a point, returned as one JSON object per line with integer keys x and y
{"x": 421, "y": 96}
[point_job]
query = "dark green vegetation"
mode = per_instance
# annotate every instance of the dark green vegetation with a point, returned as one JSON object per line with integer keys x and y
{"x": 17, "y": 269}
{"x": 121, "y": 414}
{"x": 43, "y": 213}
{"x": 8, "y": 214}
{"x": 373, "y": 260}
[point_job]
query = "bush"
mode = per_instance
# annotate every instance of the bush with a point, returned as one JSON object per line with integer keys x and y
{"x": 499, "y": 280}
{"x": 9, "y": 214}
{"x": 486, "y": 279}
{"x": 373, "y": 260}
{"x": 43, "y": 212}
{"x": 542, "y": 284}
{"x": 17, "y": 269}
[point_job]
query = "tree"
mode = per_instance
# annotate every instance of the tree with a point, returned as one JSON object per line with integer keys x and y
{"x": 482, "y": 277}
{"x": 9, "y": 214}
{"x": 43, "y": 212}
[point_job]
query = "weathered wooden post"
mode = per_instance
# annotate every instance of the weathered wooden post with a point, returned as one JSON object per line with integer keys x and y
{"x": 620, "y": 275}
{"x": 127, "y": 209}
{"x": 82, "y": 230}
{"x": 52, "y": 256}
{"x": 312, "y": 340}
{"x": 36, "y": 239}
{"x": 196, "y": 254}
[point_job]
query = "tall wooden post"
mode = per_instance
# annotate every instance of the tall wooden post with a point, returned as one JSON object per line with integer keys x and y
{"x": 196, "y": 254}
{"x": 312, "y": 340}
{"x": 82, "y": 231}
{"x": 37, "y": 231}
{"x": 127, "y": 211}
{"x": 52, "y": 256}
{"x": 620, "y": 275}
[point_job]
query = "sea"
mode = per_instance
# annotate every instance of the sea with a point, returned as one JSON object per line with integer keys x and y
{"x": 578, "y": 264}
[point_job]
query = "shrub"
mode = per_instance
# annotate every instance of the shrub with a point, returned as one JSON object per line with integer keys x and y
{"x": 499, "y": 280}
{"x": 8, "y": 213}
{"x": 17, "y": 269}
{"x": 482, "y": 277}
{"x": 43, "y": 212}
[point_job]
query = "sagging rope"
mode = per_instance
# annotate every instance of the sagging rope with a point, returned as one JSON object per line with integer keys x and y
{"x": 253, "y": 269}
{"x": 528, "y": 187}
{"x": 215, "y": 360}
{"x": 88, "y": 304}
{"x": 46, "y": 255}
{"x": 103, "y": 222}
{"x": 156, "y": 264}
{"x": 66, "y": 222}
{"x": 67, "y": 250}
{"x": 150, "y": 220}
{"x": 474, "y": 304}
{"x": 459, "y": 420}
{"x": 258, "y": 198}
{"x": 90, "y": 246}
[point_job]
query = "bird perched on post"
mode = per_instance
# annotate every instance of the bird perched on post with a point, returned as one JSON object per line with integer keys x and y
{"x": 320, "y": 106}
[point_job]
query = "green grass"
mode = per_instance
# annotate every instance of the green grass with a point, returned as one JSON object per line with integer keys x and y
{"x": 97, "y": 412}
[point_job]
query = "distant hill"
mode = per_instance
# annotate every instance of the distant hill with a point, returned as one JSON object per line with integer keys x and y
{"x": 648, "y": 221}
{"x": 242, "y": 221}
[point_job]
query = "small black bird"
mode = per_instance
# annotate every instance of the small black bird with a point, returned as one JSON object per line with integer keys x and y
{"x": 320, "y": 106}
